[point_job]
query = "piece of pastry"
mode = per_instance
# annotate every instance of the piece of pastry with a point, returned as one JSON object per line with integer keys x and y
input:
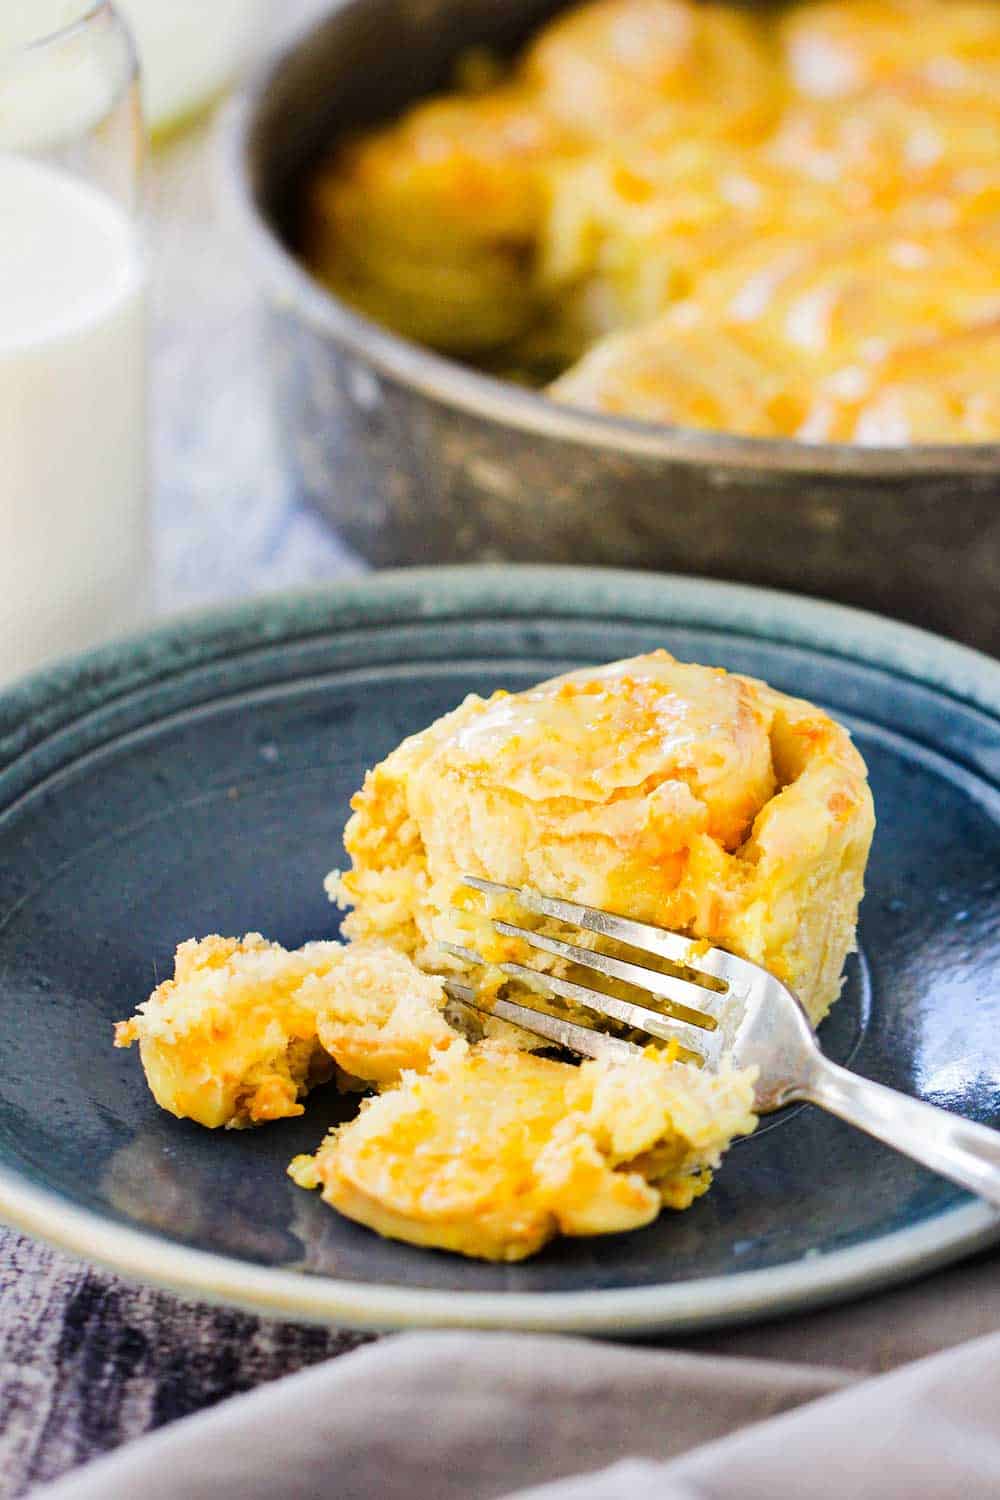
{"x": 676, "y": 67}
{"x": 813, "y": 190}
{"x": 245, "y": 1028}
{"x": 836, "y": 49}
{"x": 433, "y": 224}
{"x": 858, "y": 294}
{"x": 677, "y": 794}
{"x": 792, "y": 336}
{"x": 688, "y": 372}
{"x": 492, "y": 1152}
{"x": 430, "y": 224}
{"x": 934, "y": 392}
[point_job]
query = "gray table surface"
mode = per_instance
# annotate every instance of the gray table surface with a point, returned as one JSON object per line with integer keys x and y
{"x": 87, "y": 1361}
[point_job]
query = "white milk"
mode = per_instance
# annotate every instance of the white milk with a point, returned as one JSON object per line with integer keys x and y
{"x": 73, "y": 550}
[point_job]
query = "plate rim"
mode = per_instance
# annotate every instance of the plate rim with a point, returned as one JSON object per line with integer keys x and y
{"x": 682, "y": 1307}
{"x": 99, "y": 677}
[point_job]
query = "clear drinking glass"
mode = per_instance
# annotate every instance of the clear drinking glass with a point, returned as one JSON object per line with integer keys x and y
{"x": 73, "y": 483}
{"x": 190, "y": 51}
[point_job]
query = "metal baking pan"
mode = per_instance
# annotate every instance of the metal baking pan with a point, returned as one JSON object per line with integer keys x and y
{"x": 415, "y": 458}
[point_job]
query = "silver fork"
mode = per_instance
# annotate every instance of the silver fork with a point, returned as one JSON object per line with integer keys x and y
{"x": 730, "y": 1009}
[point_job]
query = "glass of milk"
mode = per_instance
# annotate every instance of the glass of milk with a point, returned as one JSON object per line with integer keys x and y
{"x": 73, "y": 484}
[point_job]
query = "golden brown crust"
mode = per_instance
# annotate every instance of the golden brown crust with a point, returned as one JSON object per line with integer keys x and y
{"x": 675, "y": 794}
{"x": 740, "y": 221}
{"x": 491, "y": 1152}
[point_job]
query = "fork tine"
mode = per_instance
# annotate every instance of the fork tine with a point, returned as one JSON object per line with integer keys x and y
{"x": 668, "y": 986}
{"x": 669, "y": 945}
{"x": 463, "y": 993}
{"x": 466, "y": 955}
{"x": 693, "y": 1038}
{"x": 554, "y": 1029}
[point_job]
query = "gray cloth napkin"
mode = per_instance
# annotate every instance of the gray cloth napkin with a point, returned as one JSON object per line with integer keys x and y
{"x": 467, "y": 1416}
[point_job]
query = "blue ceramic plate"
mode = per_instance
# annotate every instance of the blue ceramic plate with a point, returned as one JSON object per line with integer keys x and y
{"x": 197, "y": 780}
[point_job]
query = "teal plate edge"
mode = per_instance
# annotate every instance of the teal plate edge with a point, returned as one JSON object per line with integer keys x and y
{"x": 96, "y": 694}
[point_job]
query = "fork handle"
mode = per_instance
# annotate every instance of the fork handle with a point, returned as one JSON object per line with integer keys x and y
{"x": 967, "y": 1153}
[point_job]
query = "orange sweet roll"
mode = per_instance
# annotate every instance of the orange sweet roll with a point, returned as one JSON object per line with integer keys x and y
{"x": 245, "y": 1028}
